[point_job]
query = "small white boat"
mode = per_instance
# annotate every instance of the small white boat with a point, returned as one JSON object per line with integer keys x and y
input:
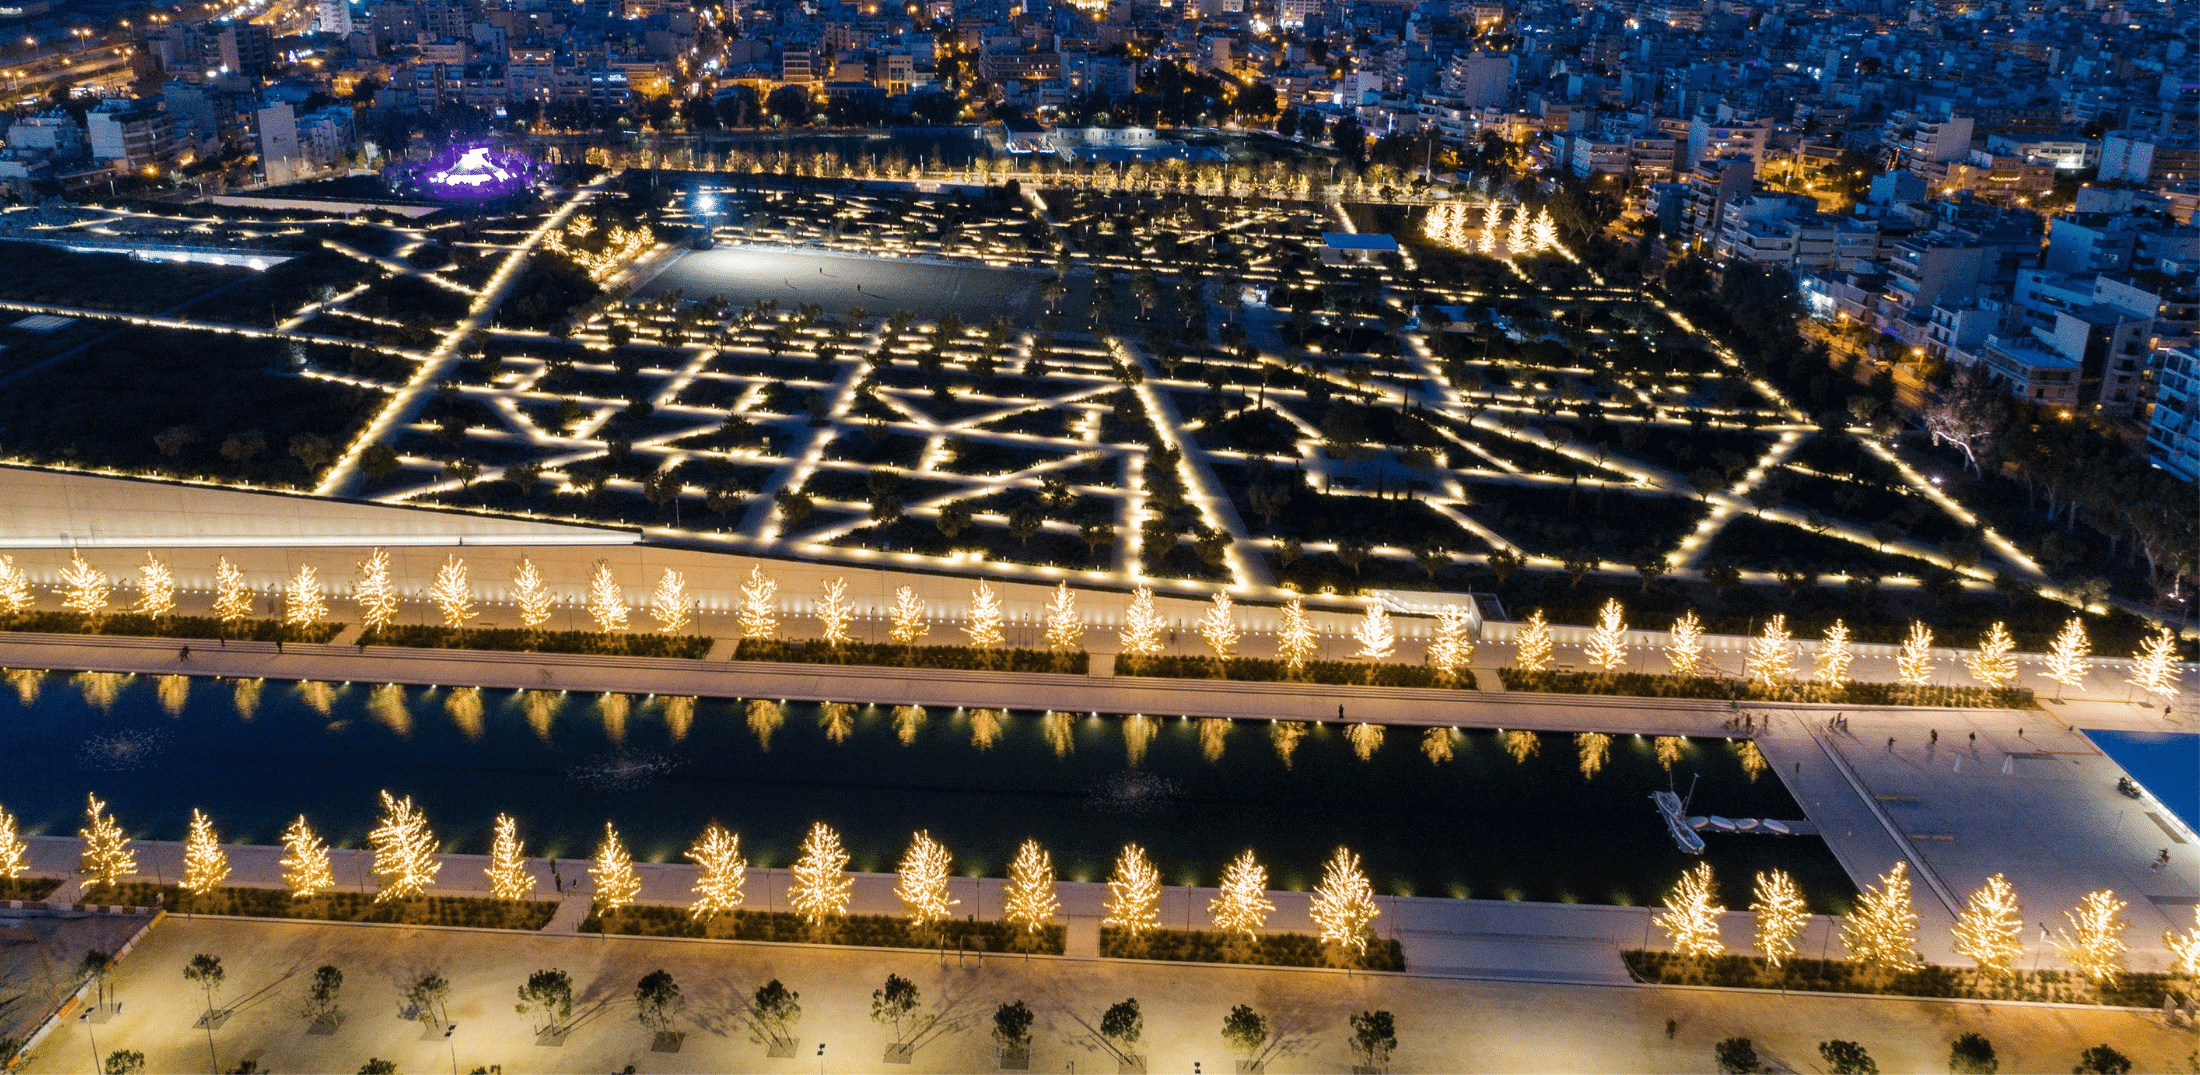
{"x": 1699, "y": 823}
{"x": 1719, "y": 824}
{"x": 1670, "y": 808}
{"x": 1746, "y": 824}
{"x": 1777, "y": 828}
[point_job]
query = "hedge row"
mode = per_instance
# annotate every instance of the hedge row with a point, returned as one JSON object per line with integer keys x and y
{"x": 872, "y": 931}
{"x": 2128, "y": 990}
{"x": 143, "y": 626}
{"x": 595, "y": 643}
{"x": 1267, "y": 950}
{"x": 1266, "y": 670}
{"x": 27, "y": 888}
{"x": 333, "y": 906}
{"x": 1653, "y": 685}
{"x": 957, "y": 658}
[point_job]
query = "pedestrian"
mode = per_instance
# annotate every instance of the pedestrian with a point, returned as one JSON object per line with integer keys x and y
{"x": 1974, "y": 738}
{"x": 184, "y": 654}
{"x": 1890, "y": 742}
{"x": 1936, "y": 735}
{"x": 278, "y": 644}
{"x": 2020, "y": 733}
{"x": 1340, "y": 710}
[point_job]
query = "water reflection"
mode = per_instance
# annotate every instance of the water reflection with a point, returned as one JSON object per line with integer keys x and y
{"x": 386, "y": 704}
{"x": 613, "y": 710}
{"x": 26, "y": 681}
{"x": 319, "y": 696}
{"x": 174, "y": 692}
{"x": 1214, "y": 735}
{"x": 765, "y": 717}
{"x": 463, "y": 705}
{"x": 541, "y": 709}
{"x": 908, "y": 720}
{"x": 1521, "y": 745}
{"x": 1138, "y": 732}
{"x": 1366, "y": 739}
{"x": 101, "y": 688}
{"x": 246, "y": 697}
{"x": 1436, "y": 745}
{"x": 985, "y": 727}
{"x": 1057, "y": 728}
{"x": 838, "y": 719}
{"x": 1594, "y": 748}
{"x": 1284, "y": 735}
{"x": 679, "y": 715}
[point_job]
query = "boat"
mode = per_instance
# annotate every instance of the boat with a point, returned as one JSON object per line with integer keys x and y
{"x": 1699, "y": 823}
{"x": 1677, "y": 821}
{"x": 1720, "y": 824}
{"x": 1777, "y": 828}
{"x": 1746, "y": 824}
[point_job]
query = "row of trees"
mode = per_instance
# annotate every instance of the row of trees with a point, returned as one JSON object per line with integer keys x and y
{"x": 1880, "y": 931}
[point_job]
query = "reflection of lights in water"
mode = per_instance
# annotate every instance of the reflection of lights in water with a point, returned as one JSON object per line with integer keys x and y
{"x": 173, "y": 692}
{"x": 907, "y": 720}
{"x": 1285, "y": 735}
{"x": 248, "y": 697}
{"x": 985, "y": 727}
{"x": 622, "y": 772}
{"x": 387, "y": 705}
{"x": 463, "y": 705}
{"x": 101, "y": 688}
{"x": 1056, "y": 727}
{"x": 122, "y": 751}
{"x": 541, "y": 708}
{"x": 317, "y": 694}
{"x": 838, "y": 720}
{"x": 765, "y": 717}
{"x": 613, "y": 708}
{"x": 1214, "y": 732}
{"x": 26, "y": 681}
{"x": 679, "y": 716}
{"x": 1138, "y": 731}
{"x": 1132, "y": 793}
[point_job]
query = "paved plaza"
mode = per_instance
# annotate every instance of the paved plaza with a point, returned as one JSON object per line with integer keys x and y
{"x": 840, "y": 282}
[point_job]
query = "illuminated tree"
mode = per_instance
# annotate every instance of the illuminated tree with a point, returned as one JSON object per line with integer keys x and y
{"x": 86, "y": 585}
{"x": 670, "y": 604}
{"x": 1667, "y": 749}
{"x": 921, "y": 881}
{"x": 821, "y": 884}
{"x": 1914, "y": 665}
{"x": 305, "y": 864}
{"x": 2095, "y": 946}
{"x": 1142, "y": 627}
{"x": 376, "y": 592}
{"x": 1134, "y": 893}
{"x": 1493, "y": 225}
{"x": 1835, "y": 655}
{"x": 1771, "y": 653}
{"x": 2067, "y": 656}
{"x": 156, "y": 588}
{"x": 759, "y": 605}
{"x": 1781, "y": 915}
{"x": 13, "y": 849}
{"x": 2184, "y": 949}
{"x": 1685, "y": 650}
{"x": 984, "y": 625}
{"x": 719, "y": 884}
{"x": 1995, "y": 663}
{"x": 1453, "y": 645}
{"x": 1989, "y": 931}
{"x": 2154, "y": 667}
{"x": 1595, "y": 748}
{"x": 834, "y": 613}
{"x": 451, "y": 594}
{"x": 1065, "y": 630}
{"x": 232, "y": 602}
{"x": 1343, "y": 907}
{"x": 606, "y": 601}
{"x": 1545, "y": 230}
{"x": 1691, "y": 916}
{"x": 1366, "y": 739}
{"x": 907, "y": 624}
{"x": 205, "y": 864}
{"x": 1242, "y": 904}
{"x": 404, "y": 850}
{"x": 107, "y": 857}
{"x": 1518, "y": 238}
{"x": 509, "y": 877}
{"x": 15, "y": 589}
{"x": 1376, "y": 637}
{"x": 1532, "y": 649}
{"x": 303, "y": 605}
{"x": 1295, "y": 637}
{"x": 531, "y": 594}
{"x": 1218, "y": 628}
{"x": 612, "y": 873}
{"x": 1880, "y": 931}
{"x": 1607, "y": 647}
{"x": 1028, "y": 901}
{"x": 1522, "y": 745}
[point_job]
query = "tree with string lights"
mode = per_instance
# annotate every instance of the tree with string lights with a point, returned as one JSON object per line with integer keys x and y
{"x": 606, "y": 600}
{"x": 984, "y": 626}
{"x": 821, "y": 885}
{"x": 156, "y": 588}
{"x": 1989, "y": 931}
{"x": 612, "y": 874}
{"x": 1241, "y": 905}
{"x": 205, "y": 864}
{"x": 232, "y": 602}
{"x": 1880, "y": 931}
{"x": 1029, "y": 901}
{"x": 722, "y": 872}
{"x": 1142, "y": 626}
{"x": 921, "y": 882}
{"x": 1218, "y": 627}
{"x": 531, "y": 594}
{"x": 14, "y": 851}
{"x": 85, "y": 587}
{"x": 1607, "y": 647}
{"x": 906, "y": 624}
{"x": 1780, "y": 914}
{"x": 1453, "y": 645}
{"x": 1995, "y": 662}
{"x": 759, "y": 611}
{"x": 16, "y": 597}
{"x": 1835, "y": 655}
{"x": 404, "y": 850}
{"x": 1377, "y": 639}
{"x": 2067, "y": 656}
{"x": 306, "y": 870}
{"x": 1691, "y": 916}
{"x": 2154, "y": 667}
{"x": 1065, "y": 630}
{"x": 1295, "y": 642}
{"x": 376, "y": 592}
{"x": 2184, "y": 949}
{"x": 2095, "y": 944}
{"x": 509, "y": 877}
{"x": 1914, "y": 664}
{"x": 303, "y": 603}
{"x": 834, "y": 613}
{"x": 670, "y": 605}
{"x": 1684, "y": 650}
{"x": 1343, "y": 907}
{"x": 1772, "y": 653}
{"x": 1134, "y": 893}
{"x": 451, "y": 593}
{"x": 1532, "y": 648}
{"x": 107, "y": 857}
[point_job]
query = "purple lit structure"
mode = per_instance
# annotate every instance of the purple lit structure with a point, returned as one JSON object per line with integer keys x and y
{"x": 468, "y": 172}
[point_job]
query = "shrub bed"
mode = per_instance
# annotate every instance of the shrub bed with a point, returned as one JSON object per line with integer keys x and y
{"x": 2128, "y": 990}
{"x": 866, "y": 930}
{"x": 1652, "y": 685}
{"x": 597, "y": 643}
{"x": 1266, "y": 670}
{"x": 1267, "y": 950}
{"x": 206, "y": 627}
{"x": 334, "y": 906}
{"x": 27, "y": 888}
{"x": 958, "y": 658}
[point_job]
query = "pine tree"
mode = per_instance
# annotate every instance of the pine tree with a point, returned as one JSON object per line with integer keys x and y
{"x": 1995, "y": 663}
{"x": 1065, "y": 631}
{"x": 612, "y": 874}
{"x": 1142, "y": 626}
{"x": 1029, "y": 901}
